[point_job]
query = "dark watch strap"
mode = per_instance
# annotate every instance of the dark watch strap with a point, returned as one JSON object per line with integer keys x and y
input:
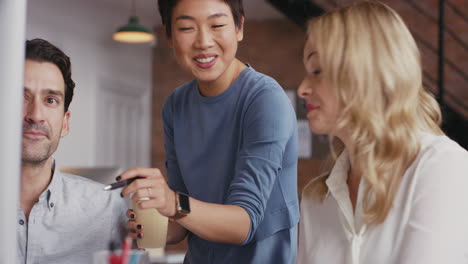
{"x": 182, "y": 205}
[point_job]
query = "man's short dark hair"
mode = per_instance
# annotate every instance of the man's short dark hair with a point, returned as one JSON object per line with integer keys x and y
{"x": 166, "y": 7}
{"x": 42, "y": 51}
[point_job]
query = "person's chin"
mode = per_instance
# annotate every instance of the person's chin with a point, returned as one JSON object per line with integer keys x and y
{"x": 36, "y": 152}
{"x": 207, "y": 76}
{"x": 34, "y": 158}
{"x": 317, "y": 129}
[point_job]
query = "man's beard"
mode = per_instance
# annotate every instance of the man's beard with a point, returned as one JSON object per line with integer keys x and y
{"x": 38, "y": 152}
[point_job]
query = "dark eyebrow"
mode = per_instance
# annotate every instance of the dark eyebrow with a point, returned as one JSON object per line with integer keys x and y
{"x": 26, "y": 90}
{"x": 184, "y": 17}
{"x": 209, "y": 17}
{"x": 54, "y": 92}
{"x": 217, "y": 15}
{"x": 47, "y": 91}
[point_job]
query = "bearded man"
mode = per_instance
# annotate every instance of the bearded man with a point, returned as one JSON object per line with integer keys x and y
{"x": 62, "y": 218}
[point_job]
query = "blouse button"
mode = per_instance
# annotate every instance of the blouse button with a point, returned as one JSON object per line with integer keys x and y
{"x": 21, "y": 222}
{"x": 51, "y": 204}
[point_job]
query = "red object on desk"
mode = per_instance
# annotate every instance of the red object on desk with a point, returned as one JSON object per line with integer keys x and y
{"x": 126, "y": 249}
{"x": 113, "y": 258}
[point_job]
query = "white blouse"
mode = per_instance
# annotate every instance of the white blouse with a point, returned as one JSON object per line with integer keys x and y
{"x": 427, "y": 224}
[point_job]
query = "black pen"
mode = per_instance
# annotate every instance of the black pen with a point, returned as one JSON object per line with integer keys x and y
{"x": 120, "y": 184}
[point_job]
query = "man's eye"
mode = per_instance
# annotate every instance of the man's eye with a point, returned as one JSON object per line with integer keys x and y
{"x": 317, "y": 72}
{"x": 52, "y": 100}
{"x": 218, "y": 26}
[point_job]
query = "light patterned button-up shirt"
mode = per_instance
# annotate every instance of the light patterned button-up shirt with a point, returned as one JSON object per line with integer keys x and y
{"x": 428, "y": 222}
{"x": 73, "y": 218}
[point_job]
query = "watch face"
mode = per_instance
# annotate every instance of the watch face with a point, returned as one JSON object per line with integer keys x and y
{"x": 184, "y": 203}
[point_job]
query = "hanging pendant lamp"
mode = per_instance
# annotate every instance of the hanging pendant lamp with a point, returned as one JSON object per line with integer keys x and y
{"x": 133, "y": 32}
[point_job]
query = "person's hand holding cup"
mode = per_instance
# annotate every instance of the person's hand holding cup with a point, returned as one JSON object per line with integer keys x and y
{"x": 152, "y": 202}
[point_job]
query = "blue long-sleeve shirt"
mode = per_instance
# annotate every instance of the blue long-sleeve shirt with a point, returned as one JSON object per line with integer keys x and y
{"x": 237, "y": 148}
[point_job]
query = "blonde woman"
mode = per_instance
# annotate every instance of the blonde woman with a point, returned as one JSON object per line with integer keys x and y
{"x": 397, "y": 191}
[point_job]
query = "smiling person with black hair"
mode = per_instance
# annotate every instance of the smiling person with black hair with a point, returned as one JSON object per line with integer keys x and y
{"x": 231, "y": 146}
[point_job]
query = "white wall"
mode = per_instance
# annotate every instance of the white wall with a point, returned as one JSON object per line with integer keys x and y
{"x": 83, "y": 30}
{"x": 12, "y": 26}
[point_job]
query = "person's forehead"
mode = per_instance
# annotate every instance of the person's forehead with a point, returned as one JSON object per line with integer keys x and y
{"x": 201, "y": 8}
{"x": 43, "y": 76}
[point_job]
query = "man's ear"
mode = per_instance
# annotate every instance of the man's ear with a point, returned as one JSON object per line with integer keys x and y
{"x": 65, "y": 124}
{"x": 240, "y": 29}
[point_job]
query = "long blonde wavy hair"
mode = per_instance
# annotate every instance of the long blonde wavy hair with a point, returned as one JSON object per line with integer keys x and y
{"x": 370, "y": 59}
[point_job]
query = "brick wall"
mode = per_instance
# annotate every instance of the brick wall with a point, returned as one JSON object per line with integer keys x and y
{"x": 422, "y": 20}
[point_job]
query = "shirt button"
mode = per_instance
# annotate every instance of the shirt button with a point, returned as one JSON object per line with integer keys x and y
{"x": 21, "y": 222}
{"x": 51, "y": 204}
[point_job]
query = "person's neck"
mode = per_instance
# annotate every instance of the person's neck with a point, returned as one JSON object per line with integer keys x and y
{"x": 354, "y": 174}
{"x": 354, "y": 170}
{"x": 218, "y": 86}
{"x": 35, "y": 177}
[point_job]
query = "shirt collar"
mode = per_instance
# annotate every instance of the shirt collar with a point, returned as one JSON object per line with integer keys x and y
{"x": 52, "y": 193}
{"x": 337, "y": 185}
{"x": 338, "y": 175}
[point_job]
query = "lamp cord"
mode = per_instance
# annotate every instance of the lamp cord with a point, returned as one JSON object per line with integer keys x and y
{"x": 133, "y": 8}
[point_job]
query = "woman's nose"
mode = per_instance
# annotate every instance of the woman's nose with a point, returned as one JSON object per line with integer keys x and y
{"x": 304, "y": 89}
{"x": 204, "y": 39}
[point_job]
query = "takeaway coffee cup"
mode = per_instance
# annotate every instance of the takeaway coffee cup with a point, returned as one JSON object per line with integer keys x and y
{"x": 154, "y": 226}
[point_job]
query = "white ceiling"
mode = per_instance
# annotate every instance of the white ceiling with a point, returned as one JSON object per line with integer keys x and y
{"x": 148, "y": 12}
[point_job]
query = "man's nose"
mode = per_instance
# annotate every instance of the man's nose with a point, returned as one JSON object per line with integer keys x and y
{"x": 33, "y": 111}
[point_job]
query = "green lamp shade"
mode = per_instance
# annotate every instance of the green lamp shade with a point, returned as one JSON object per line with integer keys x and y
{"x": 133, "y": 32}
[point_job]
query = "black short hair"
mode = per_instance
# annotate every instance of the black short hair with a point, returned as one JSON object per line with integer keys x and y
{"x": 43, "y": 51}
{"x": 166, "y": 7}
